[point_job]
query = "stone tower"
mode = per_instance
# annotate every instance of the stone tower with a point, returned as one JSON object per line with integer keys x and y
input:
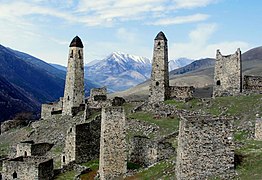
{"x": 159, "y": 87}
{"x": 74, "y": 85}
{"x": 228, "y": 74}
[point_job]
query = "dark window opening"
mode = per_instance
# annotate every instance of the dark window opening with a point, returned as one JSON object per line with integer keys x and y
{"x": 14, "y": 175}
{"x": 218, "y": 83}
{"x": 157, "y": 83}
{"x": 63, "y": 158}
{"x": 70, "y": 130}
{"x": 25, "y": 154}
{"x": 159, "y": 43}
{"x": 71, "y": 54}
{"x": 68, "y": 98}
{"x": 79, "y": 55}
{"x": 100, "y": 98}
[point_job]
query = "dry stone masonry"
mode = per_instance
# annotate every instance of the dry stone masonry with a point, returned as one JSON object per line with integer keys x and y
{"x": 252, "y": 84}
{"x": 159, "y": 76}
{"x": 98, "y": 98}
{"x": 113, "y": 153}
{"x": 181, "y": 92}
{"x": 74, "y": 85}
{"x": 258, "y": 129}
{"x": 29, "y": 168}
{"x": 205, "y": 148}
{"x": 82, "y": 142}
{"x": 228, "y": 74}
{"x": 30, "y": 148}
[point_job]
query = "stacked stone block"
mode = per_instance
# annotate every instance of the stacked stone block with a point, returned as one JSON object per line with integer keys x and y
{"x": 228, "y": 74}
{"x": 98, "y": 98}
{"x": 205, "y": 148}
{"x": 30, "y": 168}
{"x": 181, "y": 92}
{"x": 159, "y": 85}
{"x": 49, "y": 109}
{"x": 82, "y": 142}
{"x": 29, "y": 148}
{"x": 252, "y": 84}
{"x": 113, "y": 153}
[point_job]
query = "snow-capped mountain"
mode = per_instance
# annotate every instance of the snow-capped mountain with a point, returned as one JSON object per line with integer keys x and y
{"x": 178, "y": 63}
{"x": 119, "y": 71}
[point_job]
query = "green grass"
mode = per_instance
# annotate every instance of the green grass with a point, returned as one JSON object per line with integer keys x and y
{"x": 162, "y": 170}
{"x": 4, "y": 149}
{"x": 192, "y": 104}
{"x": 94, "y": 164}
{"x": 167, "y": 125}
{"x": 66, "y": 176}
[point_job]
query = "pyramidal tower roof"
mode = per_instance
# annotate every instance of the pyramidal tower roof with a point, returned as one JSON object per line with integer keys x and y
{"x": 161, "y": 36}
{"x": 76, "y": 42}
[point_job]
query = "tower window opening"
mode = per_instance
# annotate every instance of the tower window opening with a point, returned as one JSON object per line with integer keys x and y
{"x": 25, "y": 154}
{"x": 68, "y": 98}
{"x": 79, "y": 55}
{"x": 218, "y": 83}
{"x": 157, "y": 83}
{"x": 63, "y": 158}
{"x": 14, "y": 175}
{"x": 71, "y": 54}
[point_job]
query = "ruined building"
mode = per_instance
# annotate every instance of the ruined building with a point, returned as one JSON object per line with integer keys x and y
{"x": 113, "y": 152}
{"x": 205, "y": 148}
{"x": 228, "y": 74}
{"x": 258, "y": 129}
{"x": 252, "y": 84}
{"x": 74, "y": 86}
{"x": 159, "y": 85}
{"x": 30, "y": 148}
{"x": 82, "y": 142}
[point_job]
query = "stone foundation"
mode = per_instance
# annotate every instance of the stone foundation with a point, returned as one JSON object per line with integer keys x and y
{"x": 252, "y": 84}
{"x": 181, "y": 92}
{"x": 258, "y": 129}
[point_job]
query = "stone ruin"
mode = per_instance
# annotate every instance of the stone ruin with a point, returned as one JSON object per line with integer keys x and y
{"x": 228, "y": 74}
{"x": 258, "y": 129}
{"x": 205, "y": 148}
{"x": 98, "y": 98}
{"x": 30, "y": 148}
{"x": 82, "y": 143}
{"x": 145, "y": 151}
{"x": 159, "y": 89}
{"x": 252, "y": 84}
{"x": 50, "y": 109}
{"x": 28, "y": 168}
{"x": 113, "y": 152}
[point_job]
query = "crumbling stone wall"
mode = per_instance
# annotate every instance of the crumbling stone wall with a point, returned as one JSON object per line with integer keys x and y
{"x": 258, "y": 129}
{"x": 205, "y": 148}
{"x": 252, "y": 84}
{"x": 145, "y": 151}
{"x": 228, "y": 74}
{"x": 30, "y": 168}
{"x": 159, "y": 85}
{"x": 98, "y": 98}
{"x": 30, "y": 148}
{"x": 113, "y": 153}
{"x": 82, "y": 142}
{"x": 181, "y": 92}
{"x": 48, "y": 109}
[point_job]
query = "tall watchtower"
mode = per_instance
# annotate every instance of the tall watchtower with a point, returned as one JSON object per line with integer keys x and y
{"x": 74, "y": 85}
{"x": 159, "y": 87}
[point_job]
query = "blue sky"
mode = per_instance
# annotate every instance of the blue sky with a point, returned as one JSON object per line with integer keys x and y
{"x": 194, "y": 28}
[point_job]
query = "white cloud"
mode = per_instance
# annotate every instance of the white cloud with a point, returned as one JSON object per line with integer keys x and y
{"x": 198, "y": 45}
{"x": 189, "y": 4}
{"x": 181, "y": 19}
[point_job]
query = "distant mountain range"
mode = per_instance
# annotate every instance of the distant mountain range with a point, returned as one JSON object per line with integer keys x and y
{"x": 28, "y": 82}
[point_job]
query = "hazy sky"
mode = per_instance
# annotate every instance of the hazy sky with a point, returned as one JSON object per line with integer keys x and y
{"x": 194, "y": 28}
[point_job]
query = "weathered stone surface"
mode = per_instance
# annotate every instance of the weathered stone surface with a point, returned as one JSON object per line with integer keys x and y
{"x": 145, "y": 151}
{"x": 252, "y": 84}
{"x": 82, "y": 142}
{"x": 205, "y": 148}
{"x": 118, "y": 101}
{"x": 181, "y": 92}
{"x": 258, "y": 129}
{"x": 74, "y": 85}
{"x": 98, "y": 98}
{"x": 228, "y": 74}
{"x": 29, "y": 168}
{"x": 113, "y": 152}
{"x": 29, "y": 148}
{"x": 159, "y": 85}
{"x": 48, "y": 109}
